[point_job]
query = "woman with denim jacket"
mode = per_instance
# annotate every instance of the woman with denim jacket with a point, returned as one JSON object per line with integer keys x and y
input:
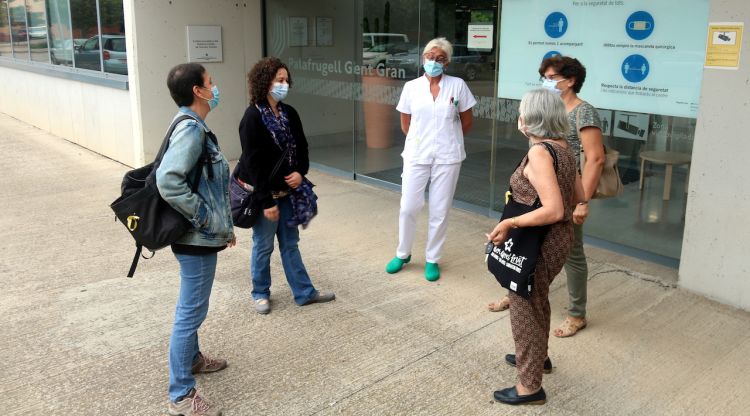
{"x": 208, "y": 210}
{"x": 271, "y": 131}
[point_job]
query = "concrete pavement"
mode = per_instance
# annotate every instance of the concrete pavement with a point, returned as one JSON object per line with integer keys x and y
{"x": 80, "y": 338}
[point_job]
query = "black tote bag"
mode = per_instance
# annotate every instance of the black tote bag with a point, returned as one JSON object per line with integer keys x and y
{"x": 246, "y": 208}
{"x": 513, "y": 261}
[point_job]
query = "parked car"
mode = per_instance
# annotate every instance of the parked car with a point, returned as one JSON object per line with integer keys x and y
{"x": 405, "y": 62}
{"x": 38, "y": 32}
{"x": 465, "y": 63}
{"x": 61, "y": 51}
{"x": 113, "y": 53}
{"x": 372, "y": 39}
{"x": 20, "y": 35}
{"x": 377, "y": 56}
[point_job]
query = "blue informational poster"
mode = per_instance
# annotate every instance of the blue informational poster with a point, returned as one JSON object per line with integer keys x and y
{"x": 644, "y": 56}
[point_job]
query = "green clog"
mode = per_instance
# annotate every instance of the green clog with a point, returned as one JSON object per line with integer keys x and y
{"x": 396, "y": 264}
{"x": 431, "y": 272}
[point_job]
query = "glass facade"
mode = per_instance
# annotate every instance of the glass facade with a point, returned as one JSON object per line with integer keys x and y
{"x": 5, "y": 45}
{"x": 350, "y": 59}
{"x": 36, "y": 17}
{"x": 19, "y": 33}
{"x": 88, "y": 35}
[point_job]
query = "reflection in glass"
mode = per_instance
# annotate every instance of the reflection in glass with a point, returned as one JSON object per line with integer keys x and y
{"x": 85, "y": 34}
{"x": 37, "y": 21}
{"x": 113, "y": 37}
{"x": 346, "y": 95}
{"x": 19, "y": 33}
{"x": 394, "y": 54}
{"x": 5, "y": 50}
{"x": 323, "y": 81}
{"x": 60, "y": 32}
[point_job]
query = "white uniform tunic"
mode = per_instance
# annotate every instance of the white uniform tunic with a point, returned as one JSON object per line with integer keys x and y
{"x": 435, "y": 134}
{"x": 432, "y": 154}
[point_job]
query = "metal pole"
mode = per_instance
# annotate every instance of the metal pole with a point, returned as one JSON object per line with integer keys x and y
{"x": 46, "y": 30}
{"x": 26, "y": 22}
{"x": 101, "y": 39}
{"x": 10, "y": 29}
{"x": 72, "y": 41}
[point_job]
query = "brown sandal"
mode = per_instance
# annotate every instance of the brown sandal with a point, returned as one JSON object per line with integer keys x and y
{"x": 499, "y": 306}
{"x": 568, "y": 328}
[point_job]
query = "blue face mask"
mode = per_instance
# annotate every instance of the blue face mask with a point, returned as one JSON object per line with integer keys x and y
{"x": 433, "y": 68}
{"x": 279, "y": 91}
{"x": 551, "y": 85}
{"x": 214, "y": 102}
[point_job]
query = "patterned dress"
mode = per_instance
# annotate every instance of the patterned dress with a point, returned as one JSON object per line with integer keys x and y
{"x": 530, "y": 318}
{"x": 582, "y": 115}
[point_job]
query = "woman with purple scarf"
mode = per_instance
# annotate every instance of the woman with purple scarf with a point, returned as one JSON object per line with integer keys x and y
{"x": 271, "y": 133}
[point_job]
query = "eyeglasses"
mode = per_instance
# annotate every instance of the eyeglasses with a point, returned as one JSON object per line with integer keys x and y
{"x": 552, "y": 78}
{"x": 441, "y": 59}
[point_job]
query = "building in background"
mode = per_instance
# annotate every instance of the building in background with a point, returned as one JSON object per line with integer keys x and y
{"x": 93, "y": 72}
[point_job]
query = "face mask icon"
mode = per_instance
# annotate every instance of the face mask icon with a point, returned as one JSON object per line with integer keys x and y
{"x": 639, "y": 25}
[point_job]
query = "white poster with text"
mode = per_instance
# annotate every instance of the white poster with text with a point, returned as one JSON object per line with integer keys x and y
{"x": 642, "y": 56}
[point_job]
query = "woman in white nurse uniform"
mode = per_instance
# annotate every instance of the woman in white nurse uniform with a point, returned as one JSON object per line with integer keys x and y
{"x": 435, "y": 115}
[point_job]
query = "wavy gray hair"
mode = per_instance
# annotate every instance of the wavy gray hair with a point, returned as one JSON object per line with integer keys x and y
{"x": 544, "y": 114}
{"x": 440, "y": 43}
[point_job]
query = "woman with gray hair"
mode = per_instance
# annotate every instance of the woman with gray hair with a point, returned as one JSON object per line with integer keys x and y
{"x": 435, "y": 115}
{"x": 548, "y": 171}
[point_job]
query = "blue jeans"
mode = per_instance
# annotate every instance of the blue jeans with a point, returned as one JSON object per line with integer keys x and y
{"x": 264, "y": 231}
{"x": 196, "y": 278}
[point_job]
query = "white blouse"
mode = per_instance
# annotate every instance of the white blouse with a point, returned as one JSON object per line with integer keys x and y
{"x": 435, "y": 134}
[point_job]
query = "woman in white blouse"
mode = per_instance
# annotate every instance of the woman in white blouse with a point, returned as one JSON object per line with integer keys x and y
{"x": 435, "y": 115}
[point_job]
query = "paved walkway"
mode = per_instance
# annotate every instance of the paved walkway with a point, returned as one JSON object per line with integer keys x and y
{"x": 80, "y": 338}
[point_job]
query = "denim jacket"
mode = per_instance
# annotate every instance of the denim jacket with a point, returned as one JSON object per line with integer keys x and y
{"x": 208, "y": 209}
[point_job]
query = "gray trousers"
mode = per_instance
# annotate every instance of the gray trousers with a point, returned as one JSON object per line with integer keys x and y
{"x": 577, "y": 271}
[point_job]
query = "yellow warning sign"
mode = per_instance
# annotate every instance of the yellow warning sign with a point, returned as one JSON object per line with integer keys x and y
{"x": 723, "y": 45}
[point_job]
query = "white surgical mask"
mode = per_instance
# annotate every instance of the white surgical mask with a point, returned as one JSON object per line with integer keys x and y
{"x": 551, "y": 85}
{"x": 433, "y": 68}
{"x": 279, "y": 90}
{"x": 213, "y": 102}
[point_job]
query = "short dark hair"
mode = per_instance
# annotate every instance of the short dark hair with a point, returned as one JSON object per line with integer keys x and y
{"x": 261, "y": 75}
{"x": 567, "y": 67}
{"x": 182, "y": 79}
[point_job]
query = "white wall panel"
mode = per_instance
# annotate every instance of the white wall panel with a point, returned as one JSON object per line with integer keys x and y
{"x": 77, "y": 111}
{"x": 717, "y": 235}
{"x": 160, "y": 42}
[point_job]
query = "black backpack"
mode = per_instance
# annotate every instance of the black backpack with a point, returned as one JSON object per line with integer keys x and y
{"x": 151, "y": 221}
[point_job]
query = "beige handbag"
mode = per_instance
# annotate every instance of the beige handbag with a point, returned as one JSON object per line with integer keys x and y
{"x": 610, "y": 184}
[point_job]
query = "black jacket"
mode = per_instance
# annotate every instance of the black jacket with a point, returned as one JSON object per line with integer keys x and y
{"x": 260, "y": 154}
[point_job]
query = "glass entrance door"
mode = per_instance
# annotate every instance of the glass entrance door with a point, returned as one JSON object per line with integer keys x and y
{"x": 394, "y": 34}
{"x": 350, "y": 60}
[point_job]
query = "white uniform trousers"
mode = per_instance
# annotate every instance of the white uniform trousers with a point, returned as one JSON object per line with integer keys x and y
{"x": 443, "y": 179}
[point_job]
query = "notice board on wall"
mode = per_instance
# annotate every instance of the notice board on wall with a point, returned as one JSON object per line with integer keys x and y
{"x": 640, "y": 55}
{"x": 204, "y": 44}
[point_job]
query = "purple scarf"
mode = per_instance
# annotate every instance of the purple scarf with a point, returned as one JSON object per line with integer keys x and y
{"x": 303, "y": 199}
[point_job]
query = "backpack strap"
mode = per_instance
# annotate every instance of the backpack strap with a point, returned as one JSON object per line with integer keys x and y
{"x": 134, "y": 264}
{"x": 165, "y": 142}
{"x": 552, "y": 152}
{"x": 203, "y": 159}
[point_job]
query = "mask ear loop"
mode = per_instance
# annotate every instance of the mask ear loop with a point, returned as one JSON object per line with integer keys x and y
{"x": 205, "y": 99}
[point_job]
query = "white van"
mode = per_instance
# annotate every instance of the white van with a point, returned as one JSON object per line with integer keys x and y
{"x": 371, "y": 39}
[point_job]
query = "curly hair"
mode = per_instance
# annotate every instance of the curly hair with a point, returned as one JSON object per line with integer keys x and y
{"x": 567, "y": 67}
{"x": 261, "y": 76}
